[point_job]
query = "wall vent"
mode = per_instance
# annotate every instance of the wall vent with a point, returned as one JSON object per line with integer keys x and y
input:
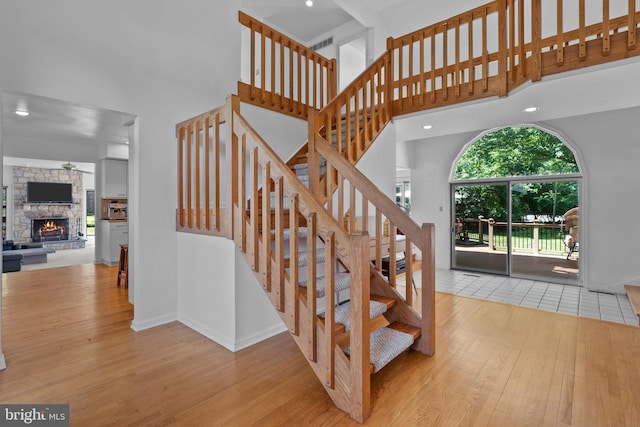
{"x": 322, "y": 44}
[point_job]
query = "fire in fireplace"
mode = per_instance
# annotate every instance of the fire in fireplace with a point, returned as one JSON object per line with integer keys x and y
{"x": 49, "y": 229}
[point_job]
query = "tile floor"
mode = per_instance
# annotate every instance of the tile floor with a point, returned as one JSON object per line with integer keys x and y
{"x": 538, "y": 294}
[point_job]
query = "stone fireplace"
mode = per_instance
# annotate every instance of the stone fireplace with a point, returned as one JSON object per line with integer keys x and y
{"x": 49, "y": 229}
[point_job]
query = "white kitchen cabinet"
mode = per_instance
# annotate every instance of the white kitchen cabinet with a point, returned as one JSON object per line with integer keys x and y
{"x": 113, "y": 235}
{"x": 114, "y": 178}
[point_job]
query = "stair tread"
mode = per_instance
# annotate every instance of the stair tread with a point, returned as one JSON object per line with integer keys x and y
{"x": 343, "y": 279}
{"x": 407, "y": 329}
{"x": 303, "y": 257}
{"x": 386, "y": 344}
{"x": 342, "y": 312}
{"x": 389, "y": 302}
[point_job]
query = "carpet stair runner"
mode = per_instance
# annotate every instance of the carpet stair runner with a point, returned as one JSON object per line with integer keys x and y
{"x": 387, "y": 342}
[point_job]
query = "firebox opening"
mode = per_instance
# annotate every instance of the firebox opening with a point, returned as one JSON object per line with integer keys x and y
{"x": 50, "y": 229}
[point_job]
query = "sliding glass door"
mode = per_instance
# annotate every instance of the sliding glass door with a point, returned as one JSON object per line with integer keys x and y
{"x": 545, "y": 240}
{"x": 479, "y": 228}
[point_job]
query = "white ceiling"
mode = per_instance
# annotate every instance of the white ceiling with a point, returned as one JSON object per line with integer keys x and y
{"x": 51, "y": 120}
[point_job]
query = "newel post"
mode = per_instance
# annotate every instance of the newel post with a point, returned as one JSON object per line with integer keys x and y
{"x": 359, "y": 293}
{"x": 428, "y": 339}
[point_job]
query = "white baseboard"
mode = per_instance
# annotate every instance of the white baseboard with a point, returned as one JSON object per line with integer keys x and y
{"x": 227, "y": 343}
{"x": 3, "y": 364}
{"x": 138, "y": 325}
{"x": 207, "y": 332}
{"x": 260, "y": 336}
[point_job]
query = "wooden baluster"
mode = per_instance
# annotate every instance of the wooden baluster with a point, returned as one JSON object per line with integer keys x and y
{"x": 291, "y": 81}
{"x": 365, "y": 213}
{"x": 207, "y": 173}
{"x": 265, "y": 257}
{"x": 356, "y": 124}
{"x": 294, "y": 311}
{"x": 189, "y": 177}
{"x": 560, "y": 34}
{"x": 273, "y": 70}
{"x": 445, "y": 52}
{"x": 511, "y": 46}
{"x": 631, "y": 25}
{"x": 352, "y": 208}
{"x": 279, "y": 250}
{"x": 423, "y": 88}
{"x": 408, "y": 271}
{"x": 311, "y": 287}
{"x": 411, "y": 83}
{"x": 433, "y": 64}
{"x": 359, "y": 293}
{"x": 582, "y": 32}
{"x": 522, "y": 55}
{"x": 379, "y": 235}
{"x": 314, "y": 84}
{"x": 218, "y": 175}
{"x": 457, "y": 68}
{"x": 348, "y": 141}
{"x": 341, "y": 209}
{"x": 365, "y": 121}
{"x": 329, "y": 188}
{"x": 299, "y": 81}
{"x": 282, "y": 73}
{"x": 400, "y": 78}
{"x": 233, "y": 106}
{"x": 373, "y": 110}
{"x": 606, "y": 28}
{"x": 253, "y": 61}
{"x": 263, "y": 68}
{"x": 181, "y": 209}
{"x": 307, "y": 100}
{"x": 393, "y": 232}
{"x": 242, "y": 193}
{"x": 322, "y": 78}
{"x": 472, "y": 68}
{"x": 330, "y": 301}
{"x": 197, "y": 130}
{"x": 485, "y": 53}
{"x": 254, "y": 209}
{"x": 339, "y": 140}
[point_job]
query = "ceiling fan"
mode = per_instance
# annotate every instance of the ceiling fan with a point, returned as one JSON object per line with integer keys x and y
{"x": 71, "y": 167}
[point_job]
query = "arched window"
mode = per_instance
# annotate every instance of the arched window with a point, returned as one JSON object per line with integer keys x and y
{"x": 512, "y": 190}
{"x": 516, "y": 151}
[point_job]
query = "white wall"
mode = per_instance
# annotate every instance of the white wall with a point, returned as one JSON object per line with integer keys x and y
{"x": 608, "y": 145}
{"x": 161, "y": 61}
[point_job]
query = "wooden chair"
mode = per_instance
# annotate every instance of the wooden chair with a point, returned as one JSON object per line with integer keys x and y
{"x": 123, "y": 266}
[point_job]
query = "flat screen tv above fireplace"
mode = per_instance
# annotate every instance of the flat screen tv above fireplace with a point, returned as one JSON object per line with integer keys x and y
{"x": 49, "y": 192}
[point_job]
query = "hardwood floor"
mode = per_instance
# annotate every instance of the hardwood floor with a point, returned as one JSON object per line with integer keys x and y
{"x": 66, "y": 339}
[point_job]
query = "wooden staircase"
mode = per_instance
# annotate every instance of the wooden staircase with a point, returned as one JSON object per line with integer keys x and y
{"x": 330, "y": 232}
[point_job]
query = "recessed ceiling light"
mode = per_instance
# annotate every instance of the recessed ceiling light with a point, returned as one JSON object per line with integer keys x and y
{"x": 22, "y": 112}
{"x": 531, "y": 109}
{"x": 309, "y": 3}
{"x": 427, "y": 127}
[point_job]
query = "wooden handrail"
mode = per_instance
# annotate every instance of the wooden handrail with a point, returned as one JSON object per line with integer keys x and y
{"x": 292, "y": 78}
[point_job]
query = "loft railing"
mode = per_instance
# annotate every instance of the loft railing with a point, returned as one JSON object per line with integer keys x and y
{"x": 487, "y": 51}
{"x": 494, "y": 48}
{"x": 281, "y": 74}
